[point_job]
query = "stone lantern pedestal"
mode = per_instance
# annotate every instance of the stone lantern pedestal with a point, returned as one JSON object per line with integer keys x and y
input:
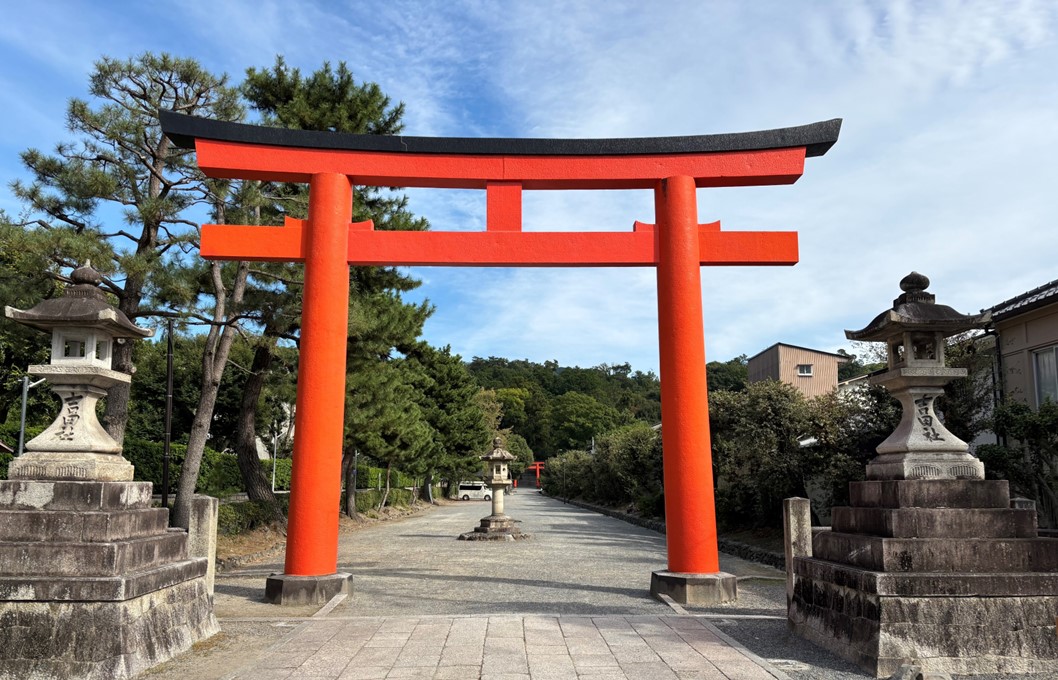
{"x": 497, "y": 526}
{"x": 93, "y": 582}
{"x": 930, "y": 565}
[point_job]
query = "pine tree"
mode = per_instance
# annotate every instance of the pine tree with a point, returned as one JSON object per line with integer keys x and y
{"x": 120, "y": 167}
{"x": 446, "y": 394}
{"x": 327, "y": 100}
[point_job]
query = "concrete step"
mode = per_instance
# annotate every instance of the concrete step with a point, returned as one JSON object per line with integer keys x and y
{"x": 100, "y": 588}
{"x": 81, "y": 527}
{"x": 927, "y": 584}
{"x": 91, "y": 559}
{"x": 80, "y": 496}
{"x": 930, "y": 493}
{"x": 935, "y": 522}
{"x": 973, "y": 555}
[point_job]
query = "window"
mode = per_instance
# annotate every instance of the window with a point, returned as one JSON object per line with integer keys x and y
{"x": 73, "y": 348}
{"x": 804, "y": 370}
{"x": 1045, "y": 368}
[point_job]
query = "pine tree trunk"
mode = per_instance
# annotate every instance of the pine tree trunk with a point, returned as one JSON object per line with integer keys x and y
{"x": 116, "y": 415}
{"x": 349, "y": 475}
{"x": 256, "y": 483}
{"x": 427, "y": 487}
{"x": 214, "y": 358}
{"x": 385, "y": 495}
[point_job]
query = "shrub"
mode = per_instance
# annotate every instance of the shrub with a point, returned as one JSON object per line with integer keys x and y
{"x": 236, "y": 518}
{"x": 218, "y": 475}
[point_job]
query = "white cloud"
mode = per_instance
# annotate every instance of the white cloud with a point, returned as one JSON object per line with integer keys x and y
{"x": 945, "y": 163}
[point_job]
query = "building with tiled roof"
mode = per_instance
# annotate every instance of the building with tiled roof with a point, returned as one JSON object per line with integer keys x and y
{"x": 1027, "y": 329}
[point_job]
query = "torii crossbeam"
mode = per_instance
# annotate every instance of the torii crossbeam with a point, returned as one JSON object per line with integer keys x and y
{"x": 328, "y": 243}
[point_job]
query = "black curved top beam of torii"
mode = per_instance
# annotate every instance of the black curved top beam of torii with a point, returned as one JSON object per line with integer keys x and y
{"x": 816, "y": 138}
{"x": 504, "y": 168}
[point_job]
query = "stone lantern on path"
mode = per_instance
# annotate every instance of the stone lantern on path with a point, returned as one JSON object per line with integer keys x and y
{"x": 83, "y": 327}
{"x": 915, "y": 332}
{"x": 497, "y": 526}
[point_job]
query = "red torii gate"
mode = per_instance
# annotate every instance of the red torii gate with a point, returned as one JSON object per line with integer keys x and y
{"x": 328, "y": 243}
{"x": 537, "y": 467}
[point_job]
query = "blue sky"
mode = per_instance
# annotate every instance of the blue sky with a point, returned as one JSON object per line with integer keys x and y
{"x": 946, "y": 162}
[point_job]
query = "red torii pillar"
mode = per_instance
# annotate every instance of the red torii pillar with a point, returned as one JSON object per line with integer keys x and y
{"x": 327, "y": 243}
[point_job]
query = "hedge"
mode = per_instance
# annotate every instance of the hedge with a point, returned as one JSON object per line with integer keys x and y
{"x": 218, "y": 475}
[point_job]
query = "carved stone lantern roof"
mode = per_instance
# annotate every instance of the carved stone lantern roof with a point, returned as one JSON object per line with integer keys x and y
{"x": 917, "y": 310}
{"x": 82, "y": 305}
{"x": 498, "y": 453}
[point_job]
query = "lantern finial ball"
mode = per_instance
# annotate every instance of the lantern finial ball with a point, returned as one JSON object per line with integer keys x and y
{"x": 914, "y": 283}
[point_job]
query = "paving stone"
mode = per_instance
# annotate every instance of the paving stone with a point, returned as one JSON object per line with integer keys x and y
{"x": 363, "y": 673}
{"x": 654, "y": 670}
{"x": 605, "y": 674}
{"x": 376, "y": 656}
{"x": 462, "y": 655}
{"x": 327, "y": 662}
{"x": 413, "y": 672}
{"x": 388, "y": 640}
{"x": 583, "y": 661}
{"x": 458, "y": 673}
{"x": 635, "y": 654}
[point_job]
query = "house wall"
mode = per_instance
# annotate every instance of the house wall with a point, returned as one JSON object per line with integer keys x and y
{"x": 1018, "y": 338}
{"x": 780, "y": 363}
{"x": 824, "y": 378}
{"x": 764, "y": 366}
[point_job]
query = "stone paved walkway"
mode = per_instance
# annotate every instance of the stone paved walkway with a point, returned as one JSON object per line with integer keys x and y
{"x": 572, "y": 602}
{"x": 508, "y": 648}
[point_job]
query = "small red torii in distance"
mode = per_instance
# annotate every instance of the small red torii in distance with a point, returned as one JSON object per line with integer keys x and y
{"x": 328, "y": 243}
{"x": 537, "y": 467}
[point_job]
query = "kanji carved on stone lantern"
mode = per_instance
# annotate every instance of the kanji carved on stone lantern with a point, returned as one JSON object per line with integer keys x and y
{"x": 83, "y": 327}
{"x": 915, "y": 332}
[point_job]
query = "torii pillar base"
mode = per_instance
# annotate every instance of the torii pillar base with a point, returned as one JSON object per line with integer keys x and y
{"x": 304, "y": 590}
{"x": 699, "y": 589}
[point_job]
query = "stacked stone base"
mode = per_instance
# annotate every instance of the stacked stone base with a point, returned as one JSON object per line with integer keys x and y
{"x": 495, "y": 528}
{"x": 93, "y": 583}
{"x": 941, "y": 574}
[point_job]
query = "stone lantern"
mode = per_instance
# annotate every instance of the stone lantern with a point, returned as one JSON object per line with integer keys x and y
{"x": 930, "y": 564}
{"x": 496, "y": 526}
{"x": 84, "y": 328}
{"x": 915, "y": 332}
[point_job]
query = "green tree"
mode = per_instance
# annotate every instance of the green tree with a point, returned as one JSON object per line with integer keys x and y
{"x": 757, "y": 455}
{"x": 26, "y": 278}
{"x": 120, "y": 167}
{"x": 579, "y": 417}
{"x": 1029, "y": 458}
{"x": 383, "y": 420}
{"x": 446, "y": 394}
{"x": 121, "y": 159}
{"x": 326, "y": 100}
{"x": 523, "y": 455}
{"x": 967, "y": 402}
{"x": 731, "y": 375}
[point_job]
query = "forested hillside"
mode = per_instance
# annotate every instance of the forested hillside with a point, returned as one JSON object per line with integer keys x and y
{"x": 557, "y": 408}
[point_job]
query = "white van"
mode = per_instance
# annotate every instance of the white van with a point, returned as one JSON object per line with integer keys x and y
{"x": 475, "y": 490}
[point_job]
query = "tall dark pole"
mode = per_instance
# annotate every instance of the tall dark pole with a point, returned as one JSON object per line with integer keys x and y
{"x": 168, "y": 410}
